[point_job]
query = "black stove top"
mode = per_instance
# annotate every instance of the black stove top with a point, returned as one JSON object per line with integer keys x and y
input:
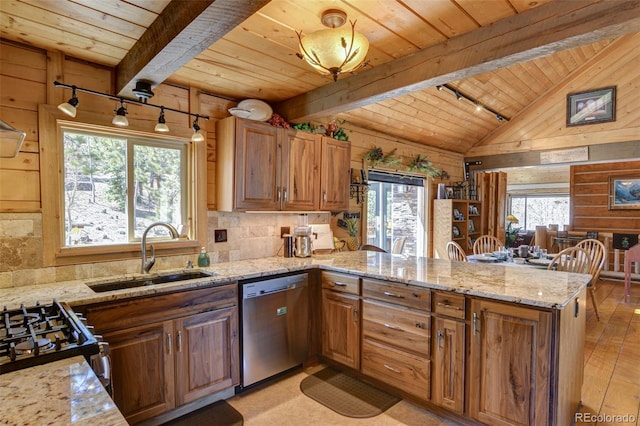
{"x": 39, "y": 334}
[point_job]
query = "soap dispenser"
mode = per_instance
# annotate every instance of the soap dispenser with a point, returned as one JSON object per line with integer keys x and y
{"x": 203, "y": 258}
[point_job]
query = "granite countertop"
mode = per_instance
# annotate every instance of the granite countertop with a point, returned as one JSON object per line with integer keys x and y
{"x": 57, "y": 393}
{"x": 527, "y": 286}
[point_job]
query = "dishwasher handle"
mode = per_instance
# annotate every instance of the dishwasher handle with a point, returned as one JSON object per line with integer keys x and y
{"x": 276, "y": 285}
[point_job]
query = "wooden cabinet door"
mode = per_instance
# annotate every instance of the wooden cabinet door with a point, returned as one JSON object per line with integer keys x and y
{"x": 335, "y": 174}
{"x": 300, "y": 170}
{"x": 257, "y": 162}
{"x": 143, "y": 370}
{"x": 206, "y": 353}
{"x": 341, "y": 328}
{"x": 509, "y": 374}
{"x": 448, "y": 364}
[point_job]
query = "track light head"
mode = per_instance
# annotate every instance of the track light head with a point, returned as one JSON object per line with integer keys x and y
{"x": 197, "y": 136}
{"x": 499, "y": 117}
{"x": 440, "y": 88}
{"x": 161, "y": 126}
{"x": 120, "y": 119}
{"x": 70, "y": 106}
{"x": 458, "y": 95}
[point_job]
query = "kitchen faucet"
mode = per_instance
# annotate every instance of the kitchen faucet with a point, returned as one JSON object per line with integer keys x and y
{"x": 146, "y": 266}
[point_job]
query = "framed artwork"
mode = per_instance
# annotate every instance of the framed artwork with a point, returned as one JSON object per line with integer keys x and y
{"x": 456, "y": 232}
{"x": 624, "y": 241}
{"x": 472, "y": 228}
{"x": 624, "y": 192}
{"x": 594, "y": 106}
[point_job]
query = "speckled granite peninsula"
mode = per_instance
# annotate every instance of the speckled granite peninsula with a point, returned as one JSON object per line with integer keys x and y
{"x": 525, "y": 285}
{"x": 553, "y": 298}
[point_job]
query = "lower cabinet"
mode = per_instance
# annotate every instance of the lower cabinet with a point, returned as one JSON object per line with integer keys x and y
{"x": 510, "y": 372}
{"x": 341, "y": 328}
{"x": 448, "y": 351}
{"x": 164, "y": 364}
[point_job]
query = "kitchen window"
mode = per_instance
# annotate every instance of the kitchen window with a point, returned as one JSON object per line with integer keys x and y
{"x": 102, "y": 186}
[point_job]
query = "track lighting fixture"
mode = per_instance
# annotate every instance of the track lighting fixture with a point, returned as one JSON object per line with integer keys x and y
{"x": 479, "y": 106}
{"x": 69, "y": 107}
{"x": 120, "y": 119}
{"x": 161, "y": 126}
{"x": 197, "y": 136}
{"x": 144, "y": 93}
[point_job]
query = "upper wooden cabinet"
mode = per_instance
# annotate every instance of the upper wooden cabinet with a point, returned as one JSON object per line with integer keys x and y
{"x": 335, "y": 176}
{"x": 261, "y": 167}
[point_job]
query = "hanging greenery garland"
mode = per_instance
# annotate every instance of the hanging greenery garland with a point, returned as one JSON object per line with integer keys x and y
{"x": 423, "y": 165}
{"x": 375, "y": 156}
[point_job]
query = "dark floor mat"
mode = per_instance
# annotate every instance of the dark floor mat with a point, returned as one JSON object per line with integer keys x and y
{"x": 346, "y": 395}
{"x": 219, "y": 413}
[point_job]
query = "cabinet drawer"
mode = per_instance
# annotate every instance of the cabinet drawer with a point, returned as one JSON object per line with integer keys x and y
{"x": 341, "y": 282}
{"x": 448, "y": 304}
{"x": 401, "y": 327}
{"x": 410, "y": 296}
{"x": 407, "y": 372}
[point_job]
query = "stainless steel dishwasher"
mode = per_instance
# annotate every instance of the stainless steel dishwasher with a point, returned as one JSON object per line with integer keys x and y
{"x": 275, "y": 320}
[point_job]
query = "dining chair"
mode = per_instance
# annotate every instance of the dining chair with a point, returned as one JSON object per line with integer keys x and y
{"x": 398, "y": 245}
{"x": 486, "y": 244}
{"x": 455, "y": 252}
{"x": 571, "y": 259}
{"x": 598, "y": 254}
{"x": 371, "y": 247}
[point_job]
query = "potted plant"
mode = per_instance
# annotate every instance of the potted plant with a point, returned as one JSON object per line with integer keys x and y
{"x": 353, "y": 242}
{"x": 511, "y": 233}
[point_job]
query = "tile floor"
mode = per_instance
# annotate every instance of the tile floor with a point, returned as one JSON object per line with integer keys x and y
{"x": 282, "y": 403}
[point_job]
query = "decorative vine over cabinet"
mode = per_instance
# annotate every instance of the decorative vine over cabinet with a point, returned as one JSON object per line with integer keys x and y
{"x": 261, "y": 167}
{"x": 455, "y": 220}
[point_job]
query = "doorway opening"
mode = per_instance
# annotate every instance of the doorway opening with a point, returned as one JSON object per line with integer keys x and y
{"x": 395, "y": 211}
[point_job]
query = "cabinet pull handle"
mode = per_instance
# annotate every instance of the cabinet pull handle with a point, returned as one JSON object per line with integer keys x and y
{"x": 448, "y": 305}
{"x": 476, "y": 329}
{"x": 576, "y": 307}
{"x": 393, "y": 327}
{"x": 278, "y": 192}
{"x": 324, "y": 196}
{"x": 169, "y": 343}
{"x": 286, "y": 198}
{"x": 388, "y": 367}
{"x": 388, "y": 293}
{"x": 439, "y": 338}
{"x": 338, "y": 283}
{"x": 179, "y": 342}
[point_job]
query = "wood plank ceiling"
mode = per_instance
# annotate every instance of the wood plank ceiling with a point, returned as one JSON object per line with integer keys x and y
{"x": 257, "y": 58}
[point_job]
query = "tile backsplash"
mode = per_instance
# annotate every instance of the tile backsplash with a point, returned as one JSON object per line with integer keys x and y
{"x": 249, "y": 236}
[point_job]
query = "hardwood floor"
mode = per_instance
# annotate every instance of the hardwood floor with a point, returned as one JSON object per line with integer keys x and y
{"x": 611, "y": 386}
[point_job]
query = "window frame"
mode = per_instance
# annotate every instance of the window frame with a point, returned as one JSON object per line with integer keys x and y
{"x": 526, "y": 196}
{"x": 51, "y": 125}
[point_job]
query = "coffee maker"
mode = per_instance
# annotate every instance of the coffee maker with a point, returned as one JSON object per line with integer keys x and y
{"x": 302, "y": 237}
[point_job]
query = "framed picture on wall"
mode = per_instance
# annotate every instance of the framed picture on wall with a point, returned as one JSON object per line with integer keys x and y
{"x": 624, "y": 192}
{"x": 590, "y": 107}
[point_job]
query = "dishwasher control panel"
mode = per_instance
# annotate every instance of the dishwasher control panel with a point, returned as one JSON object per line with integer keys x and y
{"x": 261, "y": 288}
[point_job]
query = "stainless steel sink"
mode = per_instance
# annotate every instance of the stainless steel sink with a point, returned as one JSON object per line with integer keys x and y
{"x": 148, "y": 281}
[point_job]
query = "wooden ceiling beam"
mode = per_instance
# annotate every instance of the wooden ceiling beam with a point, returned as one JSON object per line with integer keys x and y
{"x": 530, "y": 35}
{"x": 182, "y": 31}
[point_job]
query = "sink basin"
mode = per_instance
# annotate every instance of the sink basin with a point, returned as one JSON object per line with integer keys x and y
{"x": 150, "y": 280}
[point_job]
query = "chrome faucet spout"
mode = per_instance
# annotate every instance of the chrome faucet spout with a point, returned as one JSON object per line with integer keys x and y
{"x": 146, "y": 266}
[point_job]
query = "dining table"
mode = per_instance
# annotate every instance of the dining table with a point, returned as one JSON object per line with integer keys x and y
{"x": 529, "y": 262}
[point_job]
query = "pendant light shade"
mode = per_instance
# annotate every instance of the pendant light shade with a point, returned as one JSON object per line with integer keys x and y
{"x": 335, "y": 50}
{"x": 197, "y": 136}
{"x": 120, "y": 119}
{"x": 10, "y": 140}
{"x": 69, "y": 107}
{"x": 161, "y": 126}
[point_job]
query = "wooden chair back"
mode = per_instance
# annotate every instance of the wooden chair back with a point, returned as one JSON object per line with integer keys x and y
{"x": 455, "y": 252}
{"x": 398, "y": 245}
{"x": 597, "y": 252}
{"x": 486, "y": 244}
{"x": 371, "y": 247}
{"x": 571, "y": 259}
{"x": 632, "y": 255}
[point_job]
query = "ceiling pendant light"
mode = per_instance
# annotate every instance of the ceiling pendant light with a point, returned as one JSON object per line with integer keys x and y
{"x": 197, "y": 136}
{"x": 335, "y": 50}
{"x": 161, "y": 126}
{"x": 120, "y": 119}
{"x": 69, "y": 107}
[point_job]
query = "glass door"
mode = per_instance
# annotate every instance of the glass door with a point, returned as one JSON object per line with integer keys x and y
{"x": 395, "y": 207}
